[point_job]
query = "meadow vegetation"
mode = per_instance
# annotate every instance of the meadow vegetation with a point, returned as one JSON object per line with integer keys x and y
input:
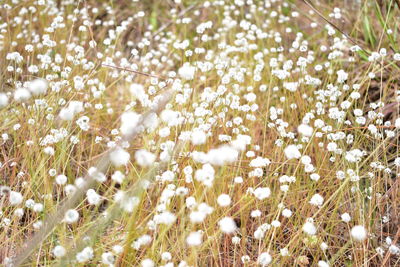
{"x": 199, "y": 133}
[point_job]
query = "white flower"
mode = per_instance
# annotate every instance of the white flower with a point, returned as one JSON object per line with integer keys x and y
{"x": 118, "y": 177}
{"x": 276, "y": 223}
{"x": 187, "y": 71}
{"x": 222, "y": 155}
{"x": 166, "y": 256}
{"x": 144, "y": 158}
{"x": 284, "y": 252}
{"x": 205, "y": 175}
{"x": 342, "y": 76}
{"x": 286, "y": 213}
{"x": 170, "y": 117}
{"x": 147, "y": 263}
{"x": 264, "y": 259}
{"x": 49, "y": 150}
{"x": 59, "y": 251}
{"x": 108, "y": 258}
{"x": 345, "y": 217}
{"x": 323, "y": 264}
{"x": 96, "y": 174}
{"x": 85, "y": 255}
{"x": 236, "y": 240}
{"x": 71, "y": 216}
{"x": 165, "y": 217}
{"x": 397, "y": 123}
{"x": 19, "y": 212}
{"x": 141, "y": 241}
{"x": 245, "y": 258}
{"x": 68, "y": 113}
{"x": 305, "y": 130}
{"x": 61, "y": 179}
{"x": 37, "y": 225}
{"x": 83, "y": 123}
{"x": 259, "y": 162}
{"x": 168, "y": 176}
{"x": 291, "y": 86}
{"x": 22, "y": 94}
{"x": 393, "y": 249}
{"x": 354, "y": 155}
{"x": 397, "y": 162}
{"x": 118, "y": 249}
{"x": 37, "y": 87}
{"x": 164, "y": 132}
{"x": 92, "y": 197}
{"x": 119, "y": 157}
{"x": 316, "y": 200}
{"x": 197, "y": 216}
{"x": 194, "y": 239}
{"x": 129, "y": 123}
{"x": 324, "y": 246}
{"x": 128, "y": 204}
{"x": 292, "y": 152}
{"x": 227, "y": 225}
{"x": 309, "y": 228}
{"x": 15, "y": 198}
{"x": 262, "y": 192}
{"x": 198, "y": 137}
{"x": 3, "y": 100}
{"x": 38, "y": 207}
{"x": 358, "y": 233}
{"x": 224, "y": 200}
{"x": 315, "y": 176}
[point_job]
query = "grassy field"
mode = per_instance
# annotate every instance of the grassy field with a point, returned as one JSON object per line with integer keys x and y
{"x": 199, "y": 133}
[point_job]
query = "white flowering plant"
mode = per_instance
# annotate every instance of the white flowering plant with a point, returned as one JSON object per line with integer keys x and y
{"x": 199, "y": 133}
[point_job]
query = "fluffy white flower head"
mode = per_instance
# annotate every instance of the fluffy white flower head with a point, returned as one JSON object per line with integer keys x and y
{"x": 3, "y": 100}
{"x": 264, "y": 259}
{"x": 317, "y": 200}
{"x": 37, "y": 86}
{"x": 59, "y": 251}
{"x": 309, "y": 228}
{"x": 144, "y": 158}
{"x": 119, "y": 157}
{"x": 224, "y": 200}
{"x": 85, "y": 255}
{"x": 129, "y": 123}
{"x": 262, "y": 193}
{"x": 227, "y": 225}
{"x": 187, "y": 71}
{"x": 198, "y": 137}
{"x": 358, "y": 233}
{"x": 345, "y": 217}
{"x": 292, "y": 152}
{"x": 22, "y": 94}
{"x": 194, "y": 239}
{"x": 15, "y": 198}
{"x": 71, "y": 216}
